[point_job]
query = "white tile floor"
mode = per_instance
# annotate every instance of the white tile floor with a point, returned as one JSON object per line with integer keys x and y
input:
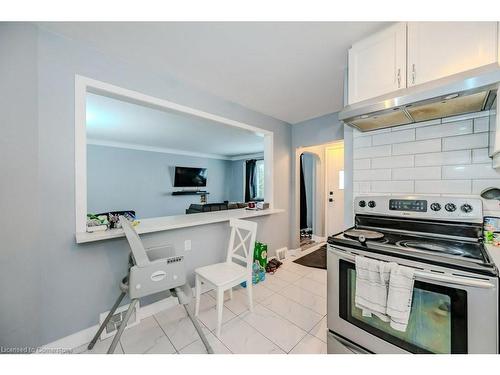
{"x": 289, "y": 317}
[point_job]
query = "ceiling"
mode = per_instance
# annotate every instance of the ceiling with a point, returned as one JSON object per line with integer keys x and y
{"x": 292, "y": 71}
{"x": 114, "y": 122}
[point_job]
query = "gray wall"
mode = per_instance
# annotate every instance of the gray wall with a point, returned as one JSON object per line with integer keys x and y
{"x": 316, "y": 131}
{"x": 56, "y": 287}
{"x": 20, "y": 251}
{"x": 125, "y": 179}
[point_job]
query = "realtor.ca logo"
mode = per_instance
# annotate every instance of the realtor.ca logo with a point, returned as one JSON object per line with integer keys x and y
{"x": 31, "y": 350}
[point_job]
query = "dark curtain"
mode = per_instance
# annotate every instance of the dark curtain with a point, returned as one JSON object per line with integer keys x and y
{"x": 250, "y": 187}
{"x": 303, "y": 198}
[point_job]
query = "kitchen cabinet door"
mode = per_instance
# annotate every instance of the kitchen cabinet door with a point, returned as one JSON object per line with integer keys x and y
{"x": 377, "y": 64}
{"x": 440, "y": 49}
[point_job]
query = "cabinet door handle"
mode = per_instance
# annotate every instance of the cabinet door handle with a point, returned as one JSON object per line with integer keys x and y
{"x": 413, "y": 74}
{"x": 399, "y": 78}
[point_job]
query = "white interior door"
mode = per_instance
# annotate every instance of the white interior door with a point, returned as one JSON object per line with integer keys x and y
{"x": 334, "y": 189}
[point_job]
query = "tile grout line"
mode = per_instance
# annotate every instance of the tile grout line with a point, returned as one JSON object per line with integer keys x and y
{"x": 165, "y": 333}
{"x": 255, "y": 328}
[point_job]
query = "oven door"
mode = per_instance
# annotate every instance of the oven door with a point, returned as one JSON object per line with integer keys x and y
{"x": 450, "y": 313}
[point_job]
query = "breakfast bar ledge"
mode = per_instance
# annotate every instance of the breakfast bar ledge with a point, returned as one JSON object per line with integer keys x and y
{"x": 158, "y": 224}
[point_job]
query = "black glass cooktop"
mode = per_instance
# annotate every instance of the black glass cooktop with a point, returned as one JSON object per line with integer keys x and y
{"x": 418, "y": 244}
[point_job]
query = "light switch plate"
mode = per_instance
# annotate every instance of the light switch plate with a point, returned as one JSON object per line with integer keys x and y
{"x": 187, "y": 245}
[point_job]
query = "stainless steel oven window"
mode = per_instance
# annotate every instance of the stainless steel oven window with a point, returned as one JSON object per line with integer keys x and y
{"x": 438, "y": 320}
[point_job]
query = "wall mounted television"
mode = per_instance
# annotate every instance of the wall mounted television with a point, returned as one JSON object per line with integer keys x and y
{"x": 190, "y": 177}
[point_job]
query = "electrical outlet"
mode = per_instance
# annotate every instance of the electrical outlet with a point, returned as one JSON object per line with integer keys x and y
{"x": 187, "y": 245}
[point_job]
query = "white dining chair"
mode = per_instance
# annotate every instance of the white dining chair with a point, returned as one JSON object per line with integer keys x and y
{"x": 236, "y": 269}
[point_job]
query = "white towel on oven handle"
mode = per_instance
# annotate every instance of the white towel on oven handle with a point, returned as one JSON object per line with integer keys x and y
{"x": 399, "y": 297}
{"x": 372, "y": 282}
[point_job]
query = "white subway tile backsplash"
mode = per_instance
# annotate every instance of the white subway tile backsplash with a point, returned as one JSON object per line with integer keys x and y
{"x": 466, "y": 116}
{"x": 490, "y": 207}
{"x": 418, "y": 147}
{"x": 417, "y": 125}
{"x": 443, "y": 187}
{"x": 392, "y": 186}
{"x": 479, "y": 185}
{"x": 438, "y": 157}
{"x": 472, "y": 171}
{"x": 444, "y": 130}
{"x": 372, "y": 175}
{"x": 361, "y": 187}
{"x": 392, "y": 162}
{"x": 356, "y": 133}
{"x": 481, "y": 124}
{"x": 480, "y": 155}
{"x": 362, "y": 142}
{"x": 394, "y": 137}
{"x": 418, "y": 173}
{"x": 372, "y": 152}
{"x": 362, "y": 164}
{"x": 463, "y": 142}
{"x": 443, "y": 158}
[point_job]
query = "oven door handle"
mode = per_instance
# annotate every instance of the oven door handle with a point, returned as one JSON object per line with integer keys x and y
{"x": 456, "y": 280}
{"x": 429, "y": 276}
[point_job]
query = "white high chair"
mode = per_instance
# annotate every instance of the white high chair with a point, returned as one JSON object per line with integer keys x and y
{"x": 151, "y": 271}
{"x": 225, "y": 276}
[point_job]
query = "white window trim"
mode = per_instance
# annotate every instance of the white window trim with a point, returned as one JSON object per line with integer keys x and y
{"x": 85, "y": 84}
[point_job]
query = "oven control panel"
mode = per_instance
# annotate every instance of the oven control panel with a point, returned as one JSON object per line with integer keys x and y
{"x": 425, "y": 207}
{"x": 418, "y": 205}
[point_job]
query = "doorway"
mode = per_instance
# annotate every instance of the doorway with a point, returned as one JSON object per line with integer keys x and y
{"x": 309, "y": 165}
{"x": 334, "y": 218}
{"x": 326, "y": 175}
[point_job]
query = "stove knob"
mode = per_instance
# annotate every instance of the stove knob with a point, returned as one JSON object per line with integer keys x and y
{"x": 450, "y": 207}
{"x": 466, "y": 208}
{"x": 371, "y": 204}
{"x": 362, "y": 203}
{"x": 435, "y": 206}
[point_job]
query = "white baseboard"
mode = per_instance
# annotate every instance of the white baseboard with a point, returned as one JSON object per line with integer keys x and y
{"x": 294, "y": 252}
{"x": 84, "y": 336}
{"x": 318, "y": 238}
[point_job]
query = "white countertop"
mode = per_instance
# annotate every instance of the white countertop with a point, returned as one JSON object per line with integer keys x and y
{"x": 158, "y": 224}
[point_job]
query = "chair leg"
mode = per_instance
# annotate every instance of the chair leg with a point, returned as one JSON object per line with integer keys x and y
{"x": 230, "y": 293}
{"x": 250, "y": 294}
{"x": 199, "y": 330}
{"x": 106, "y": 321}
{"x": 197, "y": 296}
{"x": 220, "y": 307}
{"x": 111, "y": 349}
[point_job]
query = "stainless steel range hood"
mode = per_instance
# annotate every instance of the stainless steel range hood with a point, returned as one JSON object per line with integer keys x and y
{"x": 468, "y": 92}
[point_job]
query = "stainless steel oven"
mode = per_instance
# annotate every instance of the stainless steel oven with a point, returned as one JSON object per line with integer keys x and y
{"x": 454, "y": 308}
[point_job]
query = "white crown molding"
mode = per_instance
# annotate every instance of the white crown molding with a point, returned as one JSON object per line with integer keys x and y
{"x": 260, "y": 155}
{"x": 132, "y": 146}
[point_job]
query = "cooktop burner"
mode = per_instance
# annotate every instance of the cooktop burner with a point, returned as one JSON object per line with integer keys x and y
{"x": 362, "y": 234}
{"x": 451, "y": 249}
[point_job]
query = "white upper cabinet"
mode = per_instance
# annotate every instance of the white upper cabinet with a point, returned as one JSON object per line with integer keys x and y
{"x": 440, "y": 49}
{"x": 377, "y": 64}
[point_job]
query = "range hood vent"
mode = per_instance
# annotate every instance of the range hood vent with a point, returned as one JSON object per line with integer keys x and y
{"x": 463, "y": 93}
